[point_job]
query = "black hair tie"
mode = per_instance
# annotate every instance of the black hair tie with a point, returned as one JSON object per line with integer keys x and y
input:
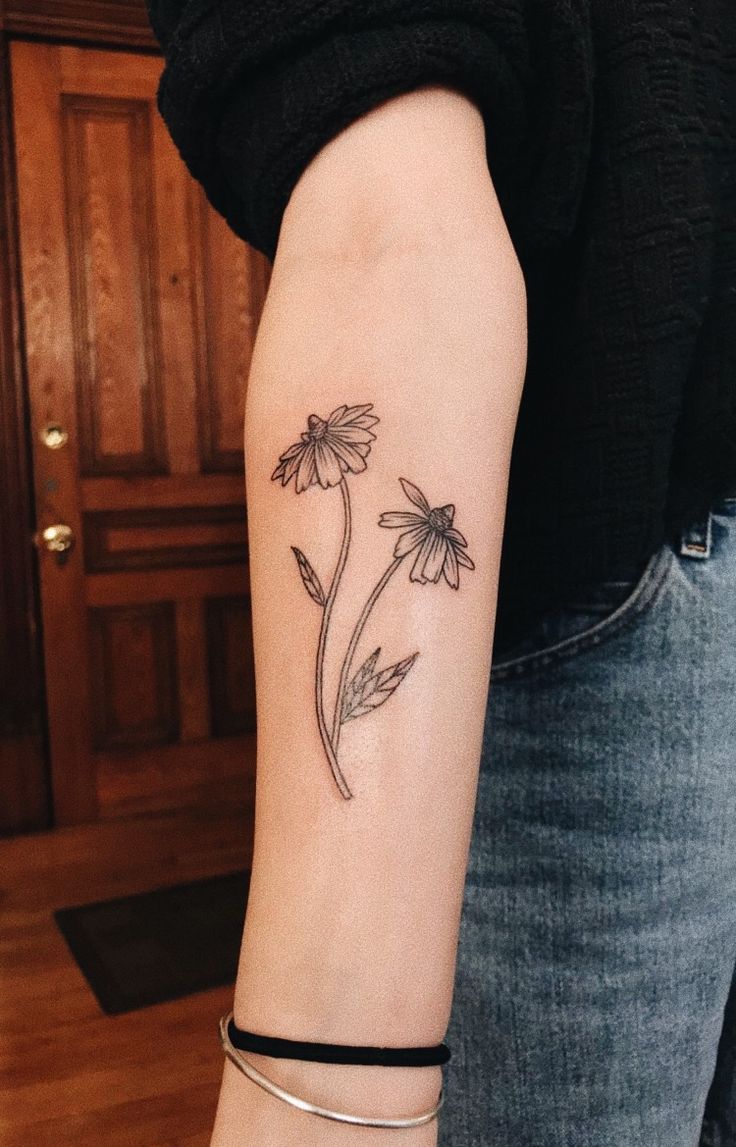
{"x": 337, "y": 1052}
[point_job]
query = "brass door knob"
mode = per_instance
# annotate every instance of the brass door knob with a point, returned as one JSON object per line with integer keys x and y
{"x": 57, "y": 539}
{"x": 53, "y": 435}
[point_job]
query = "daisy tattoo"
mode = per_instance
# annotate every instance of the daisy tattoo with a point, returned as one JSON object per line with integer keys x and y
{"x": 328, "y": 451}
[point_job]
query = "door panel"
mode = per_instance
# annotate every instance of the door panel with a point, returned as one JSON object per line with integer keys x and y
{"x": 141, "y": 309}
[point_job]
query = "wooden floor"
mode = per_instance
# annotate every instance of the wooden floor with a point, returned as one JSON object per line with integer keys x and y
{"x": 69, "y": 1074}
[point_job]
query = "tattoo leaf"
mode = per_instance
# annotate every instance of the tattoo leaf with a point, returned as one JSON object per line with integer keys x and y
{"x": 368, "y": 690}
{"x": 356, "y": 686}
{"x": 312, "y": 583}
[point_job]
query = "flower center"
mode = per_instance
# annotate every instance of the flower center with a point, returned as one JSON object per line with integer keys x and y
{"x": 441, "y": 517}
{"x": 316, "y": 427}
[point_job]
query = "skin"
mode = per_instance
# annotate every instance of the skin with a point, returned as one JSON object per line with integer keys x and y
{"x": 395, "y": 283}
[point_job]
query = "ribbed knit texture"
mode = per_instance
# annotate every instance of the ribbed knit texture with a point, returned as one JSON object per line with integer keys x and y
{"x": 611, "y": 128}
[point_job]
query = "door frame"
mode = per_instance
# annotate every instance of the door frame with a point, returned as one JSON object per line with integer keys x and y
{"x": 25, "y": 789}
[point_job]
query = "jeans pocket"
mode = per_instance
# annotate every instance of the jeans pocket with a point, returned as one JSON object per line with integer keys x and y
{"x": 583, "y": 624}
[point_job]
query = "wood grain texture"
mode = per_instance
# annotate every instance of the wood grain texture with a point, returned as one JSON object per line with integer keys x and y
{"x": 112, "y": 246}
{"x": 134, "y": 676}
{"x": 115, "y": 336}
{"x": 228, "y": 306}
{"x": 150, "y": 585}
{"x": 100, "y": 21}
{"x": 148, "y": 493}
{"x": 24, "y": 797}
{"x": 72, "y": 1077}
{"x": 194, "y": 700}
{"x": 180, "y": 330}
{"x": 232, "y": 680}
{"x": 116, "y": 540}
{"x": 50, "y": 338}
{"x": 173, "y": 776}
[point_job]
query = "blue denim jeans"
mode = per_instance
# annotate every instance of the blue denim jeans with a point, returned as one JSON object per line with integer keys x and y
{"x": 595, "y": 1003}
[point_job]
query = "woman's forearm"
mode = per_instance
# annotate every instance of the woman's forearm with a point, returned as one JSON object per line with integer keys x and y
{"x": 395, "y": 293}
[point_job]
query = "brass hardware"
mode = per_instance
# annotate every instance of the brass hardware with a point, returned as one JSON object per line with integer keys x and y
{"x": 57, "y": 539}
{"x": 54, "y": 436}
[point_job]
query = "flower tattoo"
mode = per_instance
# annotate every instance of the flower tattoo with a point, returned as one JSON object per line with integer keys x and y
{"x": 328, "y": 451}
{"x": 441, "y": 549}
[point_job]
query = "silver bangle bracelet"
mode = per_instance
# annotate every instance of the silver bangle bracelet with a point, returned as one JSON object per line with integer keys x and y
{"x": 237, "y": 1058}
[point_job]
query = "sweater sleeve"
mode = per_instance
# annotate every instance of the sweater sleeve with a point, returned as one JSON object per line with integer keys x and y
{"x": 252, "y": 89}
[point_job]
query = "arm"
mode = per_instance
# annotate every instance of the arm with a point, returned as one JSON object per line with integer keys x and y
{"x": 394, "y": 284}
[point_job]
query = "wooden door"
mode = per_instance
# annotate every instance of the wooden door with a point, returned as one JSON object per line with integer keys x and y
{"x": 140, "y": 311}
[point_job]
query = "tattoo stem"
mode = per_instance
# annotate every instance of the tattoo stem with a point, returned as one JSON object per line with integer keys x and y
{"x": 349, "y": 655}
{"x": 318, "y": 677}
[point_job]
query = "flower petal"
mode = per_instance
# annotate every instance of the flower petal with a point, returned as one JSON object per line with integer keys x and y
{"x": 295, "y": 449}
{"x": 417, "y": 570}
{"x": 350, "y": 434}
{"x": 436, "y": 560}
{"x": 415, "y": 495}
{"x": 351, "y": 458}
{"x": 430, "y": 559}
{"x": 353, "y": 419}
{"x": 410, "y": 540}
{"x": 455, "y": 536}
{"x": 464, "y": 560}
{"x": 400, "y": 520}
{"x": 287, "y": 463}
{"x": 306, "y": 475}
{"x": 285, "y": 470}
{"x": 329, "y": 472}
{"x": 354, "y": 414}
{"x": 290, "y": 468}
{"x": 449, "y": 569}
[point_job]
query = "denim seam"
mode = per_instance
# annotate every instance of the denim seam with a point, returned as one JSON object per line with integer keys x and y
{"x": 641, "y": 597}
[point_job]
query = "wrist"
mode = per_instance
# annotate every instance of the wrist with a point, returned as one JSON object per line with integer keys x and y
{"x": 338, "y": 960}
{"x": 249, "y": 1115}
{"x": 410, "y": 173}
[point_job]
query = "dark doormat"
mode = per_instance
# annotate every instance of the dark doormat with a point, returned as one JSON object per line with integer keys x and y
{"x": 161, "y": 945}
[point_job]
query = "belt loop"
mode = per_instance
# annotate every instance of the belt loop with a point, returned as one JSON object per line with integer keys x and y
{"x": 696, "y": 539}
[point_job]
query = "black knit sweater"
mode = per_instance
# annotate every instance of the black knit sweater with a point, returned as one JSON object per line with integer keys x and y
{"x": 611, "y": 128}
